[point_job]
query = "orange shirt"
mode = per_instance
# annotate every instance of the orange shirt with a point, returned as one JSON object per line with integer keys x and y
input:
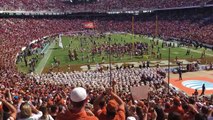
{"x": 102, "y": 115}
{"x": 177, "y": 109}
{"x": 75, "y": 116}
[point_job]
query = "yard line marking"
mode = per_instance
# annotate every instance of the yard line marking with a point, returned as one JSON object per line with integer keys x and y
{"x": 44, "y": 60}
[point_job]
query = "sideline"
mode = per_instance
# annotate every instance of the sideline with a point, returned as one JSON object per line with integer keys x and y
{"x": 42, "y": 63}
{"x": 197, "y": 51}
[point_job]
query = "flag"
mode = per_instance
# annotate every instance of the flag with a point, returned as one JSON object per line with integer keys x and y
{"x": 89, "y": 25}
{"x": 60, "y": 42}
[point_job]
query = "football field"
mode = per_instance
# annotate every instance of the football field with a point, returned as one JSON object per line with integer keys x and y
{"x": 84, "y": 47}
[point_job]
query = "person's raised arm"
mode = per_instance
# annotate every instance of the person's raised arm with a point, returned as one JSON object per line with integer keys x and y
{"x": 145, "y": 115}
{"x": 114, "y": 86}
{"x": 9, "y": 95}
{"x": 116, "y": 98}
{"x": 97, "y": 101}
{"x": 38, "y": 113}
{"x": 193, "y": 108}
{"x": 10, "y": 107}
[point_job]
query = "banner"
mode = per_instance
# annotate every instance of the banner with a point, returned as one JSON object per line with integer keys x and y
{"x": 89, "y": 25}
{"x": 140, "y": 92}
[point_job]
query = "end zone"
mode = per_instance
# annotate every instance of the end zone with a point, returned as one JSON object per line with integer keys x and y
{"x": 189, "y": 84}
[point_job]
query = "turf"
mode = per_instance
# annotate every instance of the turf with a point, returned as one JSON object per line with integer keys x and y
{"x": 21, "y": 65}
{"x": 62, "y": 54}
{"x": 71, "y": 43}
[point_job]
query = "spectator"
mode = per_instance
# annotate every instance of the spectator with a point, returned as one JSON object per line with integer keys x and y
{"x": 46, "y": 115}
{"x": 203, "y": 90}
{"x": 12, "y": 109}
{"x": 79, "y": 98}
{"x": 114, "y": 109}
{"x": 54, "y": 111}
{"x": 28, "y": 111}
{"x": 174, "y": 116}
{"x": 177, "y": 106}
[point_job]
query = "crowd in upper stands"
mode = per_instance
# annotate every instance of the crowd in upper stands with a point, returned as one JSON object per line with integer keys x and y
{"x": 100, "y": 5}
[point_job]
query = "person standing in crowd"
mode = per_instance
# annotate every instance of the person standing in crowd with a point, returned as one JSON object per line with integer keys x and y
{"x": 79, "y": 99}
{"x": 203, "y": 90}
{"x": 114, "y": 110}
{"x": 144, "y": 64}
{"x": 147, "y": 63}
{"x": 46, "y": 115}
{"x": 53, "y": 111}
{"x": 29, "y": 111}
{"x": 177, "y": 106}
{"x": 8, "y": 105}
{"x": 180, "y": 73}
{"x": 195, "y": 93}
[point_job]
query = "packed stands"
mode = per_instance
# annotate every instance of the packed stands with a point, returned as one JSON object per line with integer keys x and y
{"x": 100, "y": 5}
{"x": 53, "y": 92}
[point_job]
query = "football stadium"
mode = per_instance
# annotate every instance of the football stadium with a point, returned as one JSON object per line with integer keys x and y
{"x": 106, "y": 60}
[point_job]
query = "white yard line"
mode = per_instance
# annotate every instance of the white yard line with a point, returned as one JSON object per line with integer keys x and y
{"x": 44, "y": 60}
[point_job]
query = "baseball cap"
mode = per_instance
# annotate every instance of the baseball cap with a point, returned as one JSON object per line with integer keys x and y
{"x": 16, "y": 97}
{"x": 131, "y": 118}
{"x": 78, "y": 94}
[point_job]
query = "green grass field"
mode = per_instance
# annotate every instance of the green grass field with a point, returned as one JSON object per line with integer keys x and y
{"x": 21, "y": 66}
{"x": 71, "y": 43}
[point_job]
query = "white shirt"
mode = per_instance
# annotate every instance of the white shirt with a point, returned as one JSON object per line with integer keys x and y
{"x": 33, "y": 116}
{"x": 49, "y": 117}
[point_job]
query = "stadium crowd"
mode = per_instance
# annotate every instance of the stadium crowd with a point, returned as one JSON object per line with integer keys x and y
{"x": 58, "y": 96}
{"x": 100, "y": 5}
